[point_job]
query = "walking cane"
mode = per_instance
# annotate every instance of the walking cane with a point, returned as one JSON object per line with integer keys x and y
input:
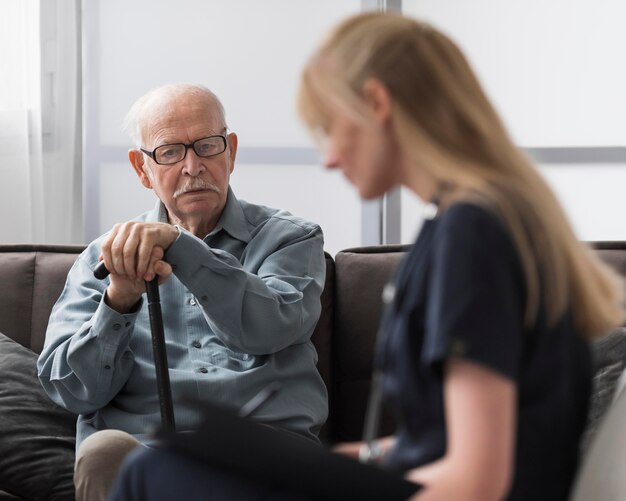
{"x": 158, "y": 348}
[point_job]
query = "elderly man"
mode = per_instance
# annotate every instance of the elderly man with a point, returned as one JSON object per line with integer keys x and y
{"x": 240, "y": 293}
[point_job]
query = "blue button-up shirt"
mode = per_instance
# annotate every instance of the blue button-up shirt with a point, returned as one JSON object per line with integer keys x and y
{"x": 238, "y": 313}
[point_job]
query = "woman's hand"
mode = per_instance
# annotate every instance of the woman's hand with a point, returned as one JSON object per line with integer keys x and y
{"x": 354, "y": 449}
{"x": 350, "y": 449}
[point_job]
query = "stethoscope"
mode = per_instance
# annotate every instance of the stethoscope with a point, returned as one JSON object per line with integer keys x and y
{"x": 371, "y": 452}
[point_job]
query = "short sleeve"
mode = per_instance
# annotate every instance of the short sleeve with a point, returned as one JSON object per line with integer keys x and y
{"x": 476, "y": 293}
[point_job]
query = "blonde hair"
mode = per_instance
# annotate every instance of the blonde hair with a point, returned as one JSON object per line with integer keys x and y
{"x": 454, "y": 133}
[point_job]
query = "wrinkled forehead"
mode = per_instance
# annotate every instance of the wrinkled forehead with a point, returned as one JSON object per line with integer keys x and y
{"x": 171, "y": 112}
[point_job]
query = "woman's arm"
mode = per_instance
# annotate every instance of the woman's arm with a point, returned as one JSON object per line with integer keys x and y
{"x": 480, "y": 409}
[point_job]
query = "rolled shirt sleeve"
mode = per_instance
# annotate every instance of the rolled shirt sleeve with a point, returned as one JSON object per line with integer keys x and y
{"x": 476, "y": 293}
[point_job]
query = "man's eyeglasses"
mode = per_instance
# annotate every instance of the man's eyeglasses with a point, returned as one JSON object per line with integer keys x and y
{"x": 168, "y": 154}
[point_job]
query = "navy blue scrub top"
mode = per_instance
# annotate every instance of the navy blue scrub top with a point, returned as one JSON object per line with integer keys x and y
{"x": 461, "y": 293}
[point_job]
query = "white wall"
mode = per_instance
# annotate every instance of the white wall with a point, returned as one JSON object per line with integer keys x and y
{"x": 249, "y": 53}
{"x": 553, "y": 69}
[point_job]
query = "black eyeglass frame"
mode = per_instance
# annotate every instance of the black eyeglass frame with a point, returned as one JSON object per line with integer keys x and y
{"x": 152, "y": 154}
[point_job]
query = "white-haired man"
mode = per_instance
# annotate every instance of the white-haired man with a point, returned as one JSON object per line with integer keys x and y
{"x": 240, "y": 293}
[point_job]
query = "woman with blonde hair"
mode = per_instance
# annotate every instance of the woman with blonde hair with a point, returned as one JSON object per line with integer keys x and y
{"x": 484, "y": 355}
{"x": 484, "y": 351}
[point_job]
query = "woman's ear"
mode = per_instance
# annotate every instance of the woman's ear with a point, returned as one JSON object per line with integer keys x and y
{"x": 377, "y": 98}
{"x": 136, "y": 160}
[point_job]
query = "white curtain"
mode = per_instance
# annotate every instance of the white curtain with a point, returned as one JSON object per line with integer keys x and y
{"x": 40, "y": 160}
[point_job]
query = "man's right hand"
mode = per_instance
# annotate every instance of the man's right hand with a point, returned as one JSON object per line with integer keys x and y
{"x": 133, "y": 253}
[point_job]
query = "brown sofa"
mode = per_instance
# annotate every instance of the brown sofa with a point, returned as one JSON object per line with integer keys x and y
{"x": 31, "y": 278}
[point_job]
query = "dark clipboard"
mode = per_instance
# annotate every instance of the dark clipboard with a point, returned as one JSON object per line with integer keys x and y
{"x": 284, "y": 459}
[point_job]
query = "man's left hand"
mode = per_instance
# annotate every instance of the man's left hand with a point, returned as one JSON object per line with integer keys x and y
{"x": 128, "y": 249}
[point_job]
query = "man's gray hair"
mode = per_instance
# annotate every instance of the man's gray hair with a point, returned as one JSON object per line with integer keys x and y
{"x": 134, "y": 122}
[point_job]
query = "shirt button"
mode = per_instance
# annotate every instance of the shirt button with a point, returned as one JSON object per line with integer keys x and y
{"x": 116, "y": 327}
{"x": 204, "y": 370}
{"x": 107, "y": 367}
{"x": 196, "y": 344}
{"x": 192, "y": 302}
{"x": 204, "y": 298}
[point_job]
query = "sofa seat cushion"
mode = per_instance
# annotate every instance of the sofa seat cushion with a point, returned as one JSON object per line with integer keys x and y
{"x": 37, "y": 438}
{"x": 602, "y": 475}
{"x": 609, "y": 363}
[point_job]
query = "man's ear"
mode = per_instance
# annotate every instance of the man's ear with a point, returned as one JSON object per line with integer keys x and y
{"x": 377, "y": 98}
{"x": 232, "y": 149}
{"x": 136, "y": 160}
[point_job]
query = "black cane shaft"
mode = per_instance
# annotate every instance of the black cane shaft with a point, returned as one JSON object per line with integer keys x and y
{"x": 160, "y": 356}
{"x": 100, "y": 271}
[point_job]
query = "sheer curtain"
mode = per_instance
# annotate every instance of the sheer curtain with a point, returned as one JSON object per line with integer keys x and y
{"x": 40, "y": 160}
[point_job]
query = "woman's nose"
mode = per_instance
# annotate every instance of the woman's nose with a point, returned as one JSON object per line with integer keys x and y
{"x": 331, "y": 161}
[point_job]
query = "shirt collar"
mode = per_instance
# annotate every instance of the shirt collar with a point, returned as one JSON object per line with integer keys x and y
{"x": 233, "y": 219}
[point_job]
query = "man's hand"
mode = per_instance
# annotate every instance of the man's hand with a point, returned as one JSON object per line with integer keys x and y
{"x": 133, "y": 253}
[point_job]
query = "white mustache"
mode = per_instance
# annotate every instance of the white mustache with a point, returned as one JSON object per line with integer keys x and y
{"x": 194, "y": 185}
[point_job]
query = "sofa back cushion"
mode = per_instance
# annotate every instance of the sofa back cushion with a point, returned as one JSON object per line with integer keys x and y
{"x": 322, "y": 337}
{"x": 613, "y": 253}
{"x": 360, "y": 276}
{"x": 33, "y": 277}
